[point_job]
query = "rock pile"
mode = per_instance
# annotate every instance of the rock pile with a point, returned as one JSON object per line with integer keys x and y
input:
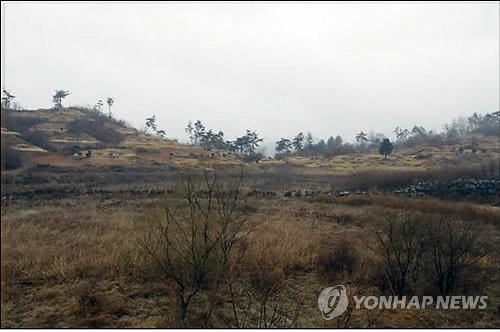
{"x": 308, "y": 193}
{"x": 459, "y": 187}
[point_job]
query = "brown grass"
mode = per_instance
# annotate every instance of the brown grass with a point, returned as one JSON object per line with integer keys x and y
{"x": 337, "y": 258}
{"x": 74, "y": 263}
{"x": 466, "y": 210}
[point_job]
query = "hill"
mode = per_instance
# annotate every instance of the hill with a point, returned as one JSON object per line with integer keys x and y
{"x": 416, "y": 158}
{"x": 74, "y": 137}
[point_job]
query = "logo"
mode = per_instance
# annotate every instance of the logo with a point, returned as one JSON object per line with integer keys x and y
{"x": 332, "y": 302}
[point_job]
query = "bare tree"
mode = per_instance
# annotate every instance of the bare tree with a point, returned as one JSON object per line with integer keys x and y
{"x": 451, "y": 245}
{"x": 399, "y": 244}
{"x": 416, "y": 247}
{"x": 191, "y": 245}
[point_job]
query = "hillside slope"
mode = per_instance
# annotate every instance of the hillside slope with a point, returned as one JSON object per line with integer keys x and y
{"x": 75, "y": 137}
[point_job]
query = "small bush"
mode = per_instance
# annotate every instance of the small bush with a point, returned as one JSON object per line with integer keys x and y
{"x": 11, "y": 159}
{"x": 336, "y": 257}
{"x": 39, "y": 139}
{"x": 20, "y": 124}
{"x": 252, "y": 157}
{"x": 269, "y": 300}
{"x": 97, "y": 129}
{"x": 426, "y": 253}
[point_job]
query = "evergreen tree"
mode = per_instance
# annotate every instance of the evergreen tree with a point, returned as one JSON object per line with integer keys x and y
{"x": 58, "y": 97}
{"x": 7, "y": 99}
{"x": 298, "y": 142}
{"x": 283, "y": 145}
{"x": 385, "y": 148}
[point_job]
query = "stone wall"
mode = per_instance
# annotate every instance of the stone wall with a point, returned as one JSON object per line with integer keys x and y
{"x": 459, "y": 187}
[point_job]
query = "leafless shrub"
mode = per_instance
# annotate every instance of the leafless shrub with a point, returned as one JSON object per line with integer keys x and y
{"x": 190, "y": 244}
{"x": 452, "y": 247}
{"x": 266, "y": 288}
{"x": 417, "y": 248}
{"x": 261, "y": 297}
{"x": 398, "y": 243}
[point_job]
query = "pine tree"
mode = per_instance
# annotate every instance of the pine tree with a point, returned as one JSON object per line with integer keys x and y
{"x": 385, "y": 148}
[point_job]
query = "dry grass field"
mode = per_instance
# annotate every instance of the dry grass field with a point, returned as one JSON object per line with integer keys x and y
{"x": 75, "y": 262}
{"x": 85, "y": 240}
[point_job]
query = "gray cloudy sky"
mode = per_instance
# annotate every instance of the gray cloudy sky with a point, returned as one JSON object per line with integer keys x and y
{"x": 276, "y": 68}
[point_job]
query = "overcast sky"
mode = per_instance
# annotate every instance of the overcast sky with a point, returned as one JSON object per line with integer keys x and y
{"x": 279, "y": 69}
